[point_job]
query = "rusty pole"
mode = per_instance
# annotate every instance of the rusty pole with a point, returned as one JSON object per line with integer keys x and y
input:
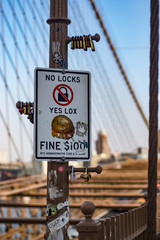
{"x": 153, "y": 121}
{"x": 57, "y": 173}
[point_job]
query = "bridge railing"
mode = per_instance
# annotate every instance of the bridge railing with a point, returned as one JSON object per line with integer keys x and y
{"x": 125, "y": 226}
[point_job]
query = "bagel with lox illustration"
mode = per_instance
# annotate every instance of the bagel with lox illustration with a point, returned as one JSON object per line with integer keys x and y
{"x": 62, "y": 127}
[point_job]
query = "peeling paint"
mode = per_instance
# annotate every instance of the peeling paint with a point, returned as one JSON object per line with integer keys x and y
{"x": 54, "y": 192}
{"x": 55, "y": 177}
{"x": 56, "y": 55}
{"x": 52, "y": 177}
{"x": 55, "y": 47}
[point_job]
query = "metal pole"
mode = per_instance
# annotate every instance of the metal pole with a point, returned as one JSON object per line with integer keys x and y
{"x": 153, "y": 122}
{"x": 57, "y": 173}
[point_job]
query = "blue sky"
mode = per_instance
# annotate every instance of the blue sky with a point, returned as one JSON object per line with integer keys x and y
{"x": 128, "y": 25}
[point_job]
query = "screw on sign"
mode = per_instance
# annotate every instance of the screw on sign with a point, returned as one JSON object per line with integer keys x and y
{"x": 63, "y": 95}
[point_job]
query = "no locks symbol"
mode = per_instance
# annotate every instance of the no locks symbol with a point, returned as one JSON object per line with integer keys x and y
{"x": 63, "y": 94}
{"x": 61, "y": 97}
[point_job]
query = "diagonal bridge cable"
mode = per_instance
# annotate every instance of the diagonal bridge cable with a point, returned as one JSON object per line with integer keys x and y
{"x": 12, "y": 140}
{"x": 119, "y": 63}
{"x": 121, "y": 124}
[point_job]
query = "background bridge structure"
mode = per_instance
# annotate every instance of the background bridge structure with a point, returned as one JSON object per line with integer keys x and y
{"x": 24, "y": 37}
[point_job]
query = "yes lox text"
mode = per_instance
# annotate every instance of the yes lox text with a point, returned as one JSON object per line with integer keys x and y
{"x": 65, "y": 110}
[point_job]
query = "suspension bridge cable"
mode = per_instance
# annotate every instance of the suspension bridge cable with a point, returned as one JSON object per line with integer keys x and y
{"x": 16, "y": 43}
{"x": 117, "y": 108}
{"x": 21, "y": 31}
{"x": 13, "y": 102}
{"x": 122, "y": 126}
{"x": 32, "y": 31}
{"x": 98, "y": 121}
{"x": 9, "y": 134}
{"x": 44, "y": 8}
{"x": 17, "y": 85}
{"x": 39, "y": 26}
{"x": 13, "y": 66}
{"x": 44, "y": 25}
{"x": 24, "y": 34}
{"x": 43, "y": 29}
{"x": 30, "y": 88}
{"x": 12, "y": 140}
{"x": 36, "y": 53}
{"x": 107, "y": 112}
{"x": 119, "y": 63}
{"x": 99, "y": 102}
{"x": 6, "y": 95}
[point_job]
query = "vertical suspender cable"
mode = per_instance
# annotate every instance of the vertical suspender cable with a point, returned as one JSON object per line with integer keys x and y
{"x": 6, "y": 93}
{"x": 153, "y": 120}
{"x": 18, "y": 87}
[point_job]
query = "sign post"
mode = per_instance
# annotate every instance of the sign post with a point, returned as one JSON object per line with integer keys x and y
{"x": 62, "y": 115}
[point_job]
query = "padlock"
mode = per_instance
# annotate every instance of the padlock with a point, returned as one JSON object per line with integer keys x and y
{"x": 72, "y": 43}
{"x": 86, "y": 175}
{"x": 91, "y": 43}
{"x": 60, "y": 97}
{"x": 25, "y": 110}
{"x": 73, "y": 174}
{"x": 77, "y": 42}
{"x": 80, "y": 42}
{"x": 84, "y": 43}
{"x": 87, "y": 42}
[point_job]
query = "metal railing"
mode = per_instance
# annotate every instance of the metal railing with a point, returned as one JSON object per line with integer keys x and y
{"x": 125, "y": 226}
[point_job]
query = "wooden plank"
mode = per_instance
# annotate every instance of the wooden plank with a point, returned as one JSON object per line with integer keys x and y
{"x": 23, "y": 179}
{"x": 20, "y": 190}
{"x": 72, "y": 205}
{"x": 107, "y": 186}
{"x": 103, "y": 194}
{"x": 111, "y": 181}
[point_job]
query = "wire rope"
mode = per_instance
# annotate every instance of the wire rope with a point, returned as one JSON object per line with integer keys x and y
{"x": 13, "y": 102}
{"x": 6, "y": 95}
{"x": 17, "y": 85}
{"x": 114, "y": 96}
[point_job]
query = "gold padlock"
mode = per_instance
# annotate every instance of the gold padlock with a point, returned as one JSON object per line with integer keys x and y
{"x": 72, "y": 43}
{"x": 91, "y": 43}
{"x": 80, "y": 42}
{"x": 84, "y": 43}
{"x": 86, "y": 175}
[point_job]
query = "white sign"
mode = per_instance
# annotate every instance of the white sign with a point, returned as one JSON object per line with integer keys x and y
{"x": 62, "y": 114}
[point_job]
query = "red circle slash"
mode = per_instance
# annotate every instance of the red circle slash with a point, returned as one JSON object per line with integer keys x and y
{"x": 67, "y": 100}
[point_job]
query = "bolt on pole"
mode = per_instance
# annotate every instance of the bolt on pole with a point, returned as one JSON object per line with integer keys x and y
{"x": 57, "y": 172}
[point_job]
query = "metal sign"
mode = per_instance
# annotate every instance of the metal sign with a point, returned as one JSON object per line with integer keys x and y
{"x": 62, "y": 115}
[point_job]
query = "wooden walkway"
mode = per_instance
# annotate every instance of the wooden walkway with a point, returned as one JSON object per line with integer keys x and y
{"x": 117, "y": 189}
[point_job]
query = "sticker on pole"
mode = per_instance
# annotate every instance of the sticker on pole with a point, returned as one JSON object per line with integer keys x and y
{"x": 62, "y": 115}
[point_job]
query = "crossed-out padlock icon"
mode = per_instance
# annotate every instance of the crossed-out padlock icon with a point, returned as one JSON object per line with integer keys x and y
{"x": 65, "y": 93}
